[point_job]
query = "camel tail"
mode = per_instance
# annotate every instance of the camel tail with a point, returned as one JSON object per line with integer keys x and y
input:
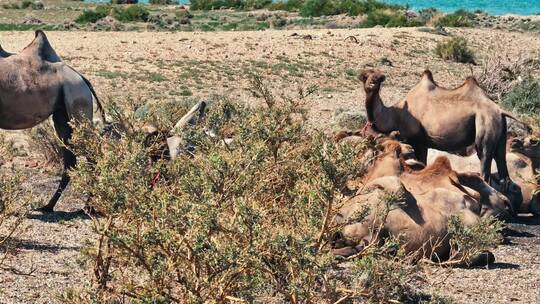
{"x": 98, "y": 102}
{"x": 509, "y": 115}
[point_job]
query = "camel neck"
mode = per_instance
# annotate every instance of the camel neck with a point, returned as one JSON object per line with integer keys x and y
{"x": 378, "y": 114}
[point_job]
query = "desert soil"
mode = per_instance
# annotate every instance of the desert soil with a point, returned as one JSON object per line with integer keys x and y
{"x": 150, "y": 67}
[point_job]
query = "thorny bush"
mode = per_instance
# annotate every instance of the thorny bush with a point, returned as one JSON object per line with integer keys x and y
{"x": 245, "y": 220}
{"x": 13, "y": 204}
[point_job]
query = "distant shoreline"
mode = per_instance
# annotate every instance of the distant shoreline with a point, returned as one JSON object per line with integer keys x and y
{"x": 443, "y": 9}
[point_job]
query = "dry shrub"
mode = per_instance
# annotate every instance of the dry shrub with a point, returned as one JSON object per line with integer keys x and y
{"x": 456, "y": 49}
{"x": 13, "y": 209}
{"x": 246, "y": 221}
{"x": 44, "y": 141}
{"x": 468, "y": 242}
{"x": 501, "y": 74}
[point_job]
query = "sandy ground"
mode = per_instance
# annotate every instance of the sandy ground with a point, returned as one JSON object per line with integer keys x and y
{"x": 156, "y": 67}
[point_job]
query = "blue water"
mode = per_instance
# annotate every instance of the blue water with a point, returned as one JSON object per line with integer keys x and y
{"x": 493, "y": 7}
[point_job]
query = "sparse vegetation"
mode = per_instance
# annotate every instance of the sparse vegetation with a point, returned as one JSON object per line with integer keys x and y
{"x": 456, "y": 49}
{"x": 468, "y": 242}
{"x": 163, "y": 2}
{"x": 14, "y": 204}
{"x": 460, "y": 18}
{"x": 91, "y": 16}
{"x": 25, "y": 4}
{"x": 500, "y": 75}
{"x": 524, "y": 97}
{"x": 124, "y": 14}
{"x": 390, "y": 18}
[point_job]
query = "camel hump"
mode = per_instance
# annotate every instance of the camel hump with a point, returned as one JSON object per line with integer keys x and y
{"x": 41, "y": 48}
{"x": 427, "y": 80}
{"x": 428, "y": 75}
{"x": 471, "y": 81}
{"x": 442, "y": 163}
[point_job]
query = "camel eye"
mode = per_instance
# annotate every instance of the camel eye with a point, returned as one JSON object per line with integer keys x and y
{"x": 534, "y": 141}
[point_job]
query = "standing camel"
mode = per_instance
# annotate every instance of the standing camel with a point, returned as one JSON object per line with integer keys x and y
{"x": 449, "y": 120}
{"x": 36, "y": 84}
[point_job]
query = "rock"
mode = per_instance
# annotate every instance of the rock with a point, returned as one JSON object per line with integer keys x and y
{"x": 69, "y": 25}
{"x": 411, "y": 14}
{"x": 278, "y": 21}
{"x": 33, "y": 20}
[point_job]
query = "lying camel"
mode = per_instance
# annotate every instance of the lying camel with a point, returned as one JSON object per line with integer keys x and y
{"x": 391, "y": 170}
{"x": 434, "y": 117}
{"x": 36, "y": 84}
{"x": 422, "y": 217}
{"x": 523, "y": 156}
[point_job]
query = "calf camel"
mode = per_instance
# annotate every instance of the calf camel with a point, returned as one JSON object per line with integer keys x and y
{"x": 450, "y": 120}
{"x": 36, "y": 84}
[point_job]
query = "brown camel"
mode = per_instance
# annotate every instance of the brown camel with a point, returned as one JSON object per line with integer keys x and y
{"x": 391, "y": 170}
{"x": 523, "y": 159}
{"x": 450, "y": 120}
{"x": 36, "y": 84}
{"x": 422, "y": 217}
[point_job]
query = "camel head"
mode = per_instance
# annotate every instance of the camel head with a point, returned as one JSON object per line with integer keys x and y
{"x": 371, "y": 79}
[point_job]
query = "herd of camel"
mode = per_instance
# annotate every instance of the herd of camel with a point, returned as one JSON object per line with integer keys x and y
{"x": 448, "y": 181}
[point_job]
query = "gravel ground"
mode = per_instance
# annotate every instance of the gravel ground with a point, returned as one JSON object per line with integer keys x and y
{"x": 157, "y": 67}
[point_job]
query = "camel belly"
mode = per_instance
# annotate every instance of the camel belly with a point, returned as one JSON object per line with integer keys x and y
{"x": 27, "y": 112}
{"x": 451, "y": 135}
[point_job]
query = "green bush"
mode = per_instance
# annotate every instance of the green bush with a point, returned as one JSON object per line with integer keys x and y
{"x": 127, "y": 14}
{"x": 524, "y": 97}
{"x": 456, "y": 49}
{"x": 290, "y": 5}
{"x": 91, "y": 16}
{"x": 131, "y": 13}
{"x": 390, "y": 18}
{"x": 163, "y": 2}
{"x": 460, "y": 18}
{"x": 215, "y": 4}
{"x": 236, "y": 4}
{"x": 35, "y": 5}
{"x": 316, "y": 8}
{"x": 124, "y": 1}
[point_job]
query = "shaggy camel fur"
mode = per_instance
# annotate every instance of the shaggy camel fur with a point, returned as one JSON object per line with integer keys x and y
{"x": 36, "y": 84}
{"x": 434, "y": 117}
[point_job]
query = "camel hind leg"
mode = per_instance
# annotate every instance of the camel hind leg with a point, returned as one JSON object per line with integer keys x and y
{"x": 500, "y": 154}
{"x": 64, "y": 131}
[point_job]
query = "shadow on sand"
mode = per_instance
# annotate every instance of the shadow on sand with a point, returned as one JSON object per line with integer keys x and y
{"x": 57, "y": 216}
